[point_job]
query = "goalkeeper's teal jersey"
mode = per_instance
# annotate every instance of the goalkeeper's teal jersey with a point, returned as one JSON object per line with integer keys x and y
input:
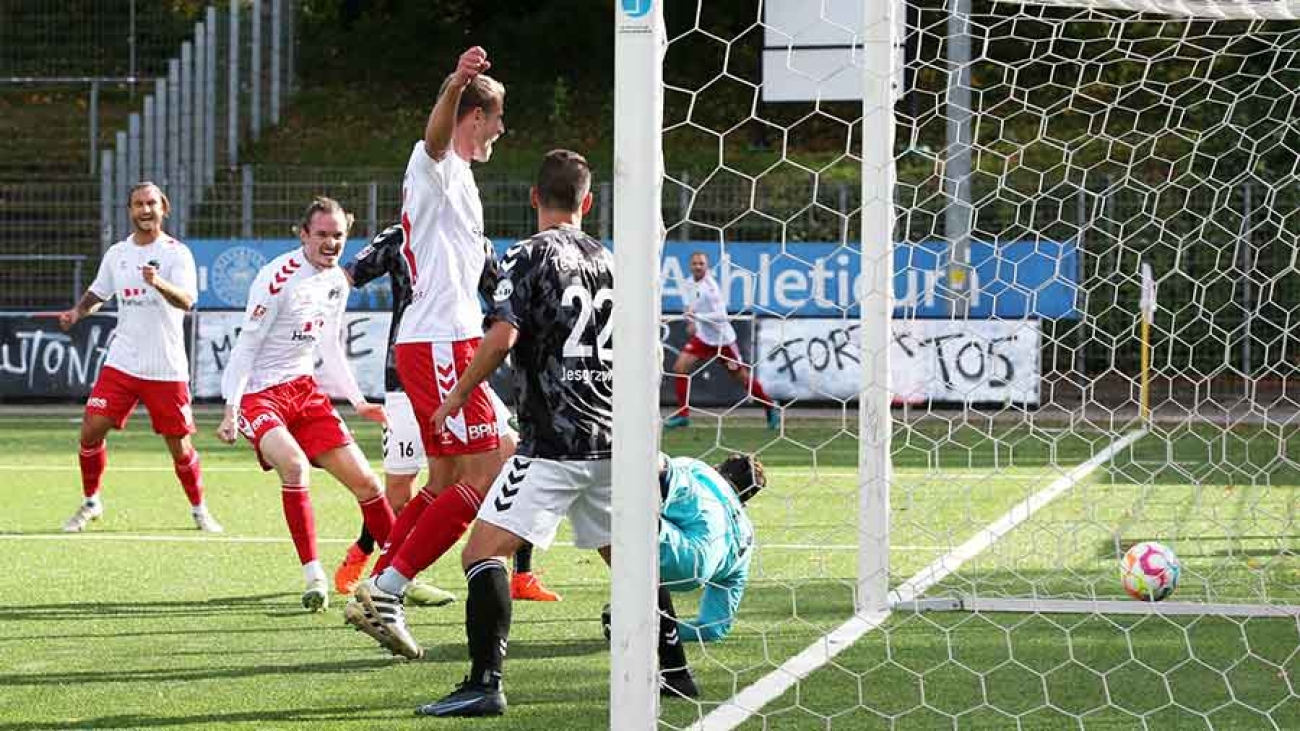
{"x": 705, "y": 539}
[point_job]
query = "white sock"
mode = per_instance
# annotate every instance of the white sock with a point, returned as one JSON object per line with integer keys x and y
{"x": 93, "y": 501}
{"x": 392, "y": 582}
{"x": 199, "y": 509}
{"x": 313, "y": 571}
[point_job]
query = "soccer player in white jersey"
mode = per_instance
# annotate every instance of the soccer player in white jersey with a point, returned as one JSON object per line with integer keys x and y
{"x": 441, "y": 330}
{"x": 296, "y": 303}
{"x": 152, "y": 276}
{"x": 711, "y": 336}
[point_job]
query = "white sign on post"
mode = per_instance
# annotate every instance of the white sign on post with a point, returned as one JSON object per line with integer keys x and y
{"x": 813, "y": 50}
{"x": 960, "y": 361}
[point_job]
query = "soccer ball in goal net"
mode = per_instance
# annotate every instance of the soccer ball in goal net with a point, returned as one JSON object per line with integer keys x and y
{"x": 1020, "y": 280}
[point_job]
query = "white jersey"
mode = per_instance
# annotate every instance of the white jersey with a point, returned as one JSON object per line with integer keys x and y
{"x": 292, "y": 308}
{"x": 149, "y": 340}
{"x": 708, "y": 310}
{"x": 443, "y": 218}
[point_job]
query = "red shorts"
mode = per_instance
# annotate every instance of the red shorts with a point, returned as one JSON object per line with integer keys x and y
{"x": 730, "y": 353}
{"x": 429, "y": 372}
{"x": 299, "y": 406}
{"x": 115, "y": 395}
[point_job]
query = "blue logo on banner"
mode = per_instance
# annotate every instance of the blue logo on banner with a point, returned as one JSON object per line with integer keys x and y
{"x": 233, "y": 272}
{"x": 637, "y": 8}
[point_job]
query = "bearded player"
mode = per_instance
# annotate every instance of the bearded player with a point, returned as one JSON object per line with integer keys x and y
{"x": 152, "y": 276}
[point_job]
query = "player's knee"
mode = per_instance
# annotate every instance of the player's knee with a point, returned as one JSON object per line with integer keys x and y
{"x": 92, "y": 434}
{"x": 482, "y": 470}
{"x": 399, "y": 489}
{"x": 365, "y": 484}
{"x": 180, "y": 447}
{"x": 293, "y": 470}
{"x": 470, "y": 555}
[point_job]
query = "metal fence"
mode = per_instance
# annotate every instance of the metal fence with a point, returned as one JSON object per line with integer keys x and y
{"x": 220, "y": 89}
{"x": 60, "y": 278}
{"x": 256, "y": 201}
{"x": 92, "y": 38}
{"x": 84, "y": 114}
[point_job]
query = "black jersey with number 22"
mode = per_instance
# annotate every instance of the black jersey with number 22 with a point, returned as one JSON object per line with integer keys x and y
{"x": 557, "y": 289}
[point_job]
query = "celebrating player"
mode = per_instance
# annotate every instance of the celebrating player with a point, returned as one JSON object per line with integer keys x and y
{"x": 403, "y": 451}
{"x": 553, "y": 309}
{"x": 705, "y": 537}
{"x": 296, "y": 303}
{"x": 153, "y": 277}
{"x": 440, "y": 331}
{"x": 711, "y": 336}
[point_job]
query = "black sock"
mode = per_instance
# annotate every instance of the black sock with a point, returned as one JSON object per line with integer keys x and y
{"x": 487, "y": 619}
{"x": 365, "y": 541}
{"x": 524, "y": 559}
{"x": 672, "y": 656}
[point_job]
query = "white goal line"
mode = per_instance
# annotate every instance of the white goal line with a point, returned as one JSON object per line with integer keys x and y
{"x": 752, "y": 699}
{"x": 1101, "y": 606}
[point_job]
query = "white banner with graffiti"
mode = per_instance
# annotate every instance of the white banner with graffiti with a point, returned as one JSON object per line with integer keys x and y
{"x": 961, "y": 361}
{"x": 365, "y": 338}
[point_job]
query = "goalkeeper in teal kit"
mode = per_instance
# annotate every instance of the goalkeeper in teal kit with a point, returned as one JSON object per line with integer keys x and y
{"x": 705, "y": 537}
{"x": 705, "y": 540}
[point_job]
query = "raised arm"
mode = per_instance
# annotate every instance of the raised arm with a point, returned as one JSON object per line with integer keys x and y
{"x": 442, "y": 120}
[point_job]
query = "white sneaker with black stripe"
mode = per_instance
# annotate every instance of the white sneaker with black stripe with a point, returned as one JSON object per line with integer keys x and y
{"x": 316, "y": 598}
{"x": 388, "y": 613}
{"x": 356, "y": 615}
{"x": 87, "y": 512}
{"x": 204, "y": 521}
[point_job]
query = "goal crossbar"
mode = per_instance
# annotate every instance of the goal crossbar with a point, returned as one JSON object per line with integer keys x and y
{"x": 1200, "y": 9}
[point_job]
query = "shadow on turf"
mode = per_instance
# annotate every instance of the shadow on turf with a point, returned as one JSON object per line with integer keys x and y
{"x": 177, "y": 674}
{"x": 271, "y": 605}
{"x": 127, "y": 721}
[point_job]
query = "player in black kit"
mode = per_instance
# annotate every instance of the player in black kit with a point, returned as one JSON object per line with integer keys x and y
{"x": 553, "y": 308}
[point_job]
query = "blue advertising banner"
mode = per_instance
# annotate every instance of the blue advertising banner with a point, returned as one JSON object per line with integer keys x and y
{"x": 1012, "y": 280}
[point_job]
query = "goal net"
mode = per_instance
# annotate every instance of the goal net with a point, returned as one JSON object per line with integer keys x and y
{"x": 1022, "y": 281}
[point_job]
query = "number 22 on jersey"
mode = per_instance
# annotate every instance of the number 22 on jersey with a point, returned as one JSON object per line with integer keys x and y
{"x": 576, "y": 296}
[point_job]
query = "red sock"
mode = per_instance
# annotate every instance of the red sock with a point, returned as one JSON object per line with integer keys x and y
{"x": 191, "y": 477}
{"x": 682, "y": 384}
{"x": 301, "y": 520}
{"x": 439, "y": 528}
{"x": 93, "y": 461}
{"x": 756, "y": 390}
{"x": 378, "y": 517}
{"x": 402, "y": 528}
